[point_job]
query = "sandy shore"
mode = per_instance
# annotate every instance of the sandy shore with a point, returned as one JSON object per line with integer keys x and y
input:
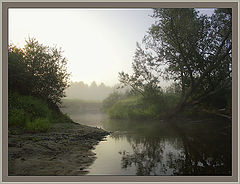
{"x": 65, "y": 150}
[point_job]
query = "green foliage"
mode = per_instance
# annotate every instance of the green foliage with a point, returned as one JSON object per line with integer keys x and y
{"x": 37, "y": 125}
{"x": 17, "y": 117}
{"x": 153, "y": 105}
{"x": 194, "y": 51}
{"x": 37, "y": 78}
{"x": 19, "y": 78}
{"x": 137, "y": 107}
{"x": 170, "y": 100}
{"x": 220, "y": 100}
{"x": 31, "y": 114}
{"x": 59, "y": 117}
{"x": 27, "y": 112}
{"x": 38, "y": 70}
{"x": 28, "y": 106}
{"x": 130, "y": 108}
{"x": 111, "y": 100}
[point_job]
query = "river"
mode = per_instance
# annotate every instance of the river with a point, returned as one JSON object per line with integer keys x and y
{"x": 186, "y": 147}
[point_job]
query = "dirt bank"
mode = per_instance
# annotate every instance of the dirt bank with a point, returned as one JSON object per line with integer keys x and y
{"x": 64, "y": 150}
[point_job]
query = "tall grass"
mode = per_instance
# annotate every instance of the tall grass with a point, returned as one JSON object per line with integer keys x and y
{"x": 38, "y": 125}
{"x": 31, "y": 114}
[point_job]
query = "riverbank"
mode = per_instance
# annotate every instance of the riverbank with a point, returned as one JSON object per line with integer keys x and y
{"x": 65, "y": 149}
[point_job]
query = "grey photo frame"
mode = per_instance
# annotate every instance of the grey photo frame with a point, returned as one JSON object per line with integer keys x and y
{"x": 122, "y": 4}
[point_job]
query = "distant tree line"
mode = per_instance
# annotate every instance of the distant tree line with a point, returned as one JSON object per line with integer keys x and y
{"x": 81, "y": 90}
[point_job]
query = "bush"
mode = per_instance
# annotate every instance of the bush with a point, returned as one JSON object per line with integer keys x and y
{"x": 132, "y": 108}
{"x": 111, "y": 100}
{"x": 37, "y": 125}
{"x": 147, "y": 107}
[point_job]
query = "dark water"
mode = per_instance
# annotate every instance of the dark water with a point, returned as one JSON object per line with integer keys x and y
{"x": 185, "y": 147}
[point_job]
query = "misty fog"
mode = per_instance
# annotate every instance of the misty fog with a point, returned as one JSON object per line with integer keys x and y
{"x": 92, "y": 92}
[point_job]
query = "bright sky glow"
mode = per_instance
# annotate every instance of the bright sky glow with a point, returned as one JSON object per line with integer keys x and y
{"x": 98, "y": 43}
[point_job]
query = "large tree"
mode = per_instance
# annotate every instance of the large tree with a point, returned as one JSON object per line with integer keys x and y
{"x": 38, "y": 70}
{"x": 193, "y": 50}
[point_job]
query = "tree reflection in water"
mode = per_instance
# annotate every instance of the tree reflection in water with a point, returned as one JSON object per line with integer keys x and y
{"x": 146, "y": 157}
{"x": 190, "y": 150}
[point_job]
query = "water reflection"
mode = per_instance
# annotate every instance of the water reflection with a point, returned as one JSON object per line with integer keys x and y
{"x": 164, "y": 149}
{"x": 150, "y": 157}
{"x": 184, "y": 147}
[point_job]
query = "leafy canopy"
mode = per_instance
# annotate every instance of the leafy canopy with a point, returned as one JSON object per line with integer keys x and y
{"x": 193, "y": 50}
{"x": 38, "y": 70}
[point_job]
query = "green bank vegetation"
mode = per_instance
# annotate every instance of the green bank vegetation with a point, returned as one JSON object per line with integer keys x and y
{"x": 132, "y": 105}
{"x": 195, "y": 52}
{"x": 37, "y": 78}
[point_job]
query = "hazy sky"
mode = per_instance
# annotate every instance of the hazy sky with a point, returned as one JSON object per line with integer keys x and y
{"x": 98, "y": 43}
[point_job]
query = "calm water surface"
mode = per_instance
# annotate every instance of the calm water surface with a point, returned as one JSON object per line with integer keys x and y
{"x": 200, "y": 147}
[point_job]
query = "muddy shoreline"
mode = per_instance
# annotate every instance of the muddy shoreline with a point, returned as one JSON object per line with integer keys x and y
{"x": 65, "y": 150}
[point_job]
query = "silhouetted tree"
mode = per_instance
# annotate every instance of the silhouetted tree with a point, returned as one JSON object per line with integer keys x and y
{"x": 194, "y": 51}
{"x": 19, "y": 79}
{"x": 40, "y": 69}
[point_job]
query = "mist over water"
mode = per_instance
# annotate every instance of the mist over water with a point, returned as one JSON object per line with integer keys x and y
{"x": 156, "y": 148}
{"x": 166, "y": 79}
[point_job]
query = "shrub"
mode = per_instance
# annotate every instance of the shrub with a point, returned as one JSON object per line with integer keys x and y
{"x": 111, "y": 100}
{"x": 132, "y": 108}
{"x": 147, "y": 107}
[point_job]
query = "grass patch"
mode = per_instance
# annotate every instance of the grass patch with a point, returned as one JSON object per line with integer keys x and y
{"x": 30, "y": 114}
{"x": 37, "y": 125}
